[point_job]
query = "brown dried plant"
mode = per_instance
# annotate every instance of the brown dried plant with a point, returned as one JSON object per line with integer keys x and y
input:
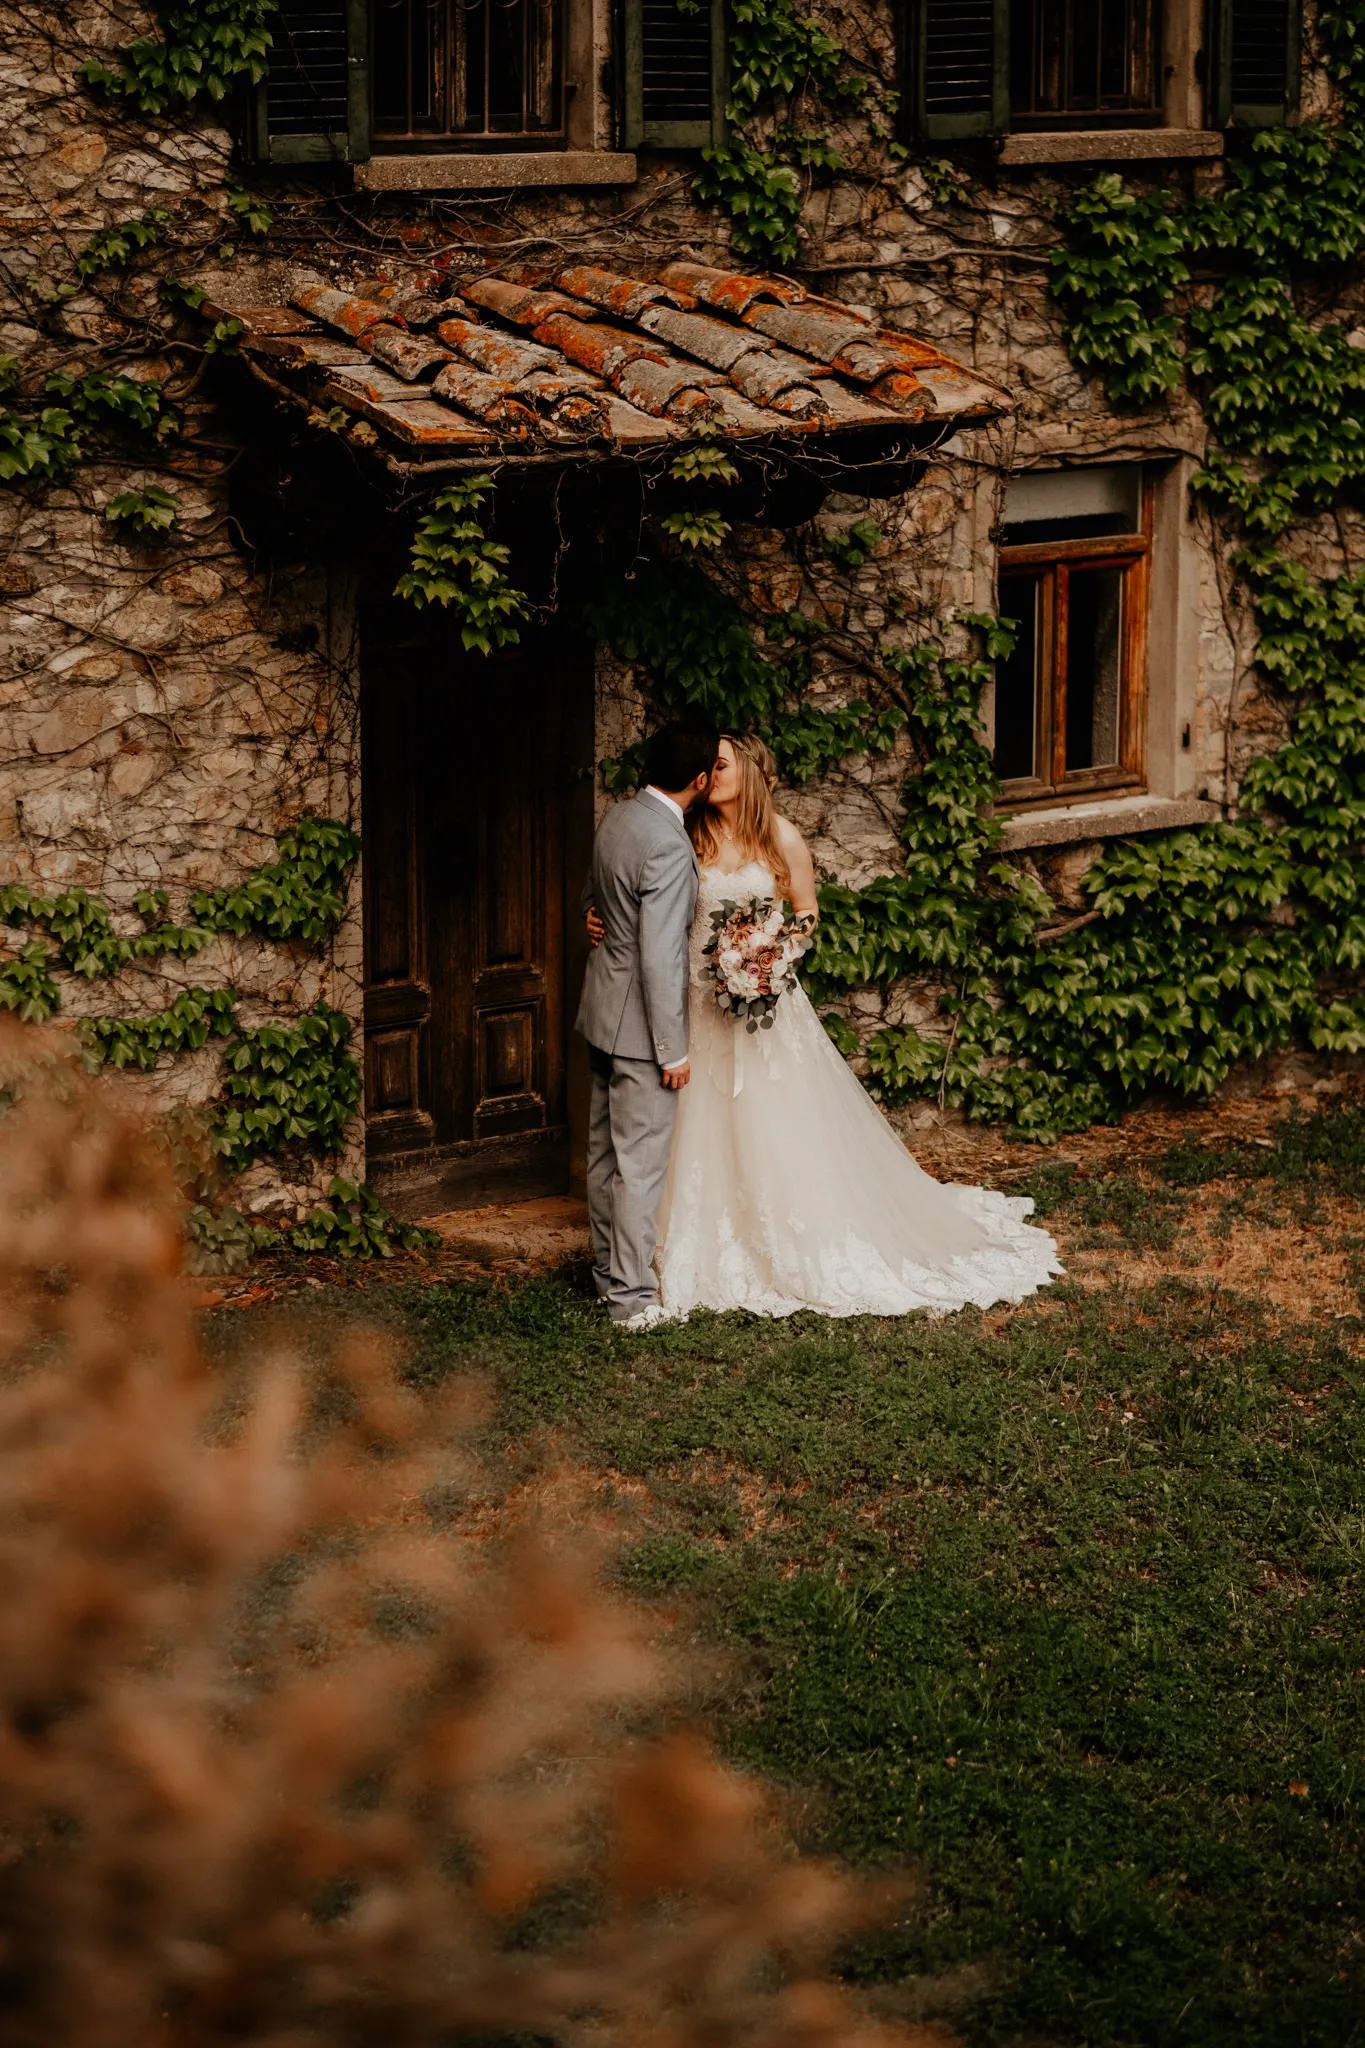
{"x": 281, "y": 1760}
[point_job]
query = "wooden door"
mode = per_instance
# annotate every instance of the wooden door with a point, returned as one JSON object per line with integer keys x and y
{"x": 471, "y": 767}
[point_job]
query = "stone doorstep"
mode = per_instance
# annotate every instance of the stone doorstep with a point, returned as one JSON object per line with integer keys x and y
{"x": 528, "y": 1235}
{"x": 495, "y": 172}
{"x": 1062, "y": 823}
{"x": 1110, "y": 145}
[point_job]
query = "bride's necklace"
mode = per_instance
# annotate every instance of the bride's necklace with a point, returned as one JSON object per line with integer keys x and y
{"x": 726, "y": 843}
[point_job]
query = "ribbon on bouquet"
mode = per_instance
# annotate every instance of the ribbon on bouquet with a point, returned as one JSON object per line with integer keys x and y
{"x": 730, "y": 1054}
{"x": 732, "y": 1040}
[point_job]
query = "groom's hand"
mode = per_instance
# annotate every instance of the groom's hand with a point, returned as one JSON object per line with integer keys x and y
{"x": 678, "y": 1077}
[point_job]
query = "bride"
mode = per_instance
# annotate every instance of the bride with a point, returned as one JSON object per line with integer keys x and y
{"x": 788, "y": 1189}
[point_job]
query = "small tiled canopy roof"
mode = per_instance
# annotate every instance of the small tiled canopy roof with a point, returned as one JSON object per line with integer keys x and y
{"x": 581, "y": 359}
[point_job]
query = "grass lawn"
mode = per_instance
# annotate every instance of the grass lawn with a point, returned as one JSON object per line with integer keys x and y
{"x": 1063, "y": 1606}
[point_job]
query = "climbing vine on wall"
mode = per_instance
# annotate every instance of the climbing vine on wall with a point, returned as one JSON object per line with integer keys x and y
{"x": 1203, "y": 947}
{"x": 1200, "y": 947}
{"x": 456, "y": 563}
{"x": 785, "y": 67}
{"x": 285, "y": 1085}
{"x": 205, "y": 49}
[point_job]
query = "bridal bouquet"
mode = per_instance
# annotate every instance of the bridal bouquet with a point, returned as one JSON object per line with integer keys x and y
{"x": 751, "y": 957}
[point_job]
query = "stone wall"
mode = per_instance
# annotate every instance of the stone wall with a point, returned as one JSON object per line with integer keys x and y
{"x": 167, "y": 710}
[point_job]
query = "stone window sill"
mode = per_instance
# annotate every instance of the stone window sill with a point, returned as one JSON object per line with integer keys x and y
{"x": 495, "y": 171}
{"x": 1110, "y": 145}
{"x": 1064, "y": 824}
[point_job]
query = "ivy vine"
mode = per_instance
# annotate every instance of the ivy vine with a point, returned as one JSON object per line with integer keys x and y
{"x": 206, "y": 48}
{"x": 1200, "y": 948}
{"x": 779, "y": 57}
{"x": 284, "y": 1084}
{"x": 456, "y": 563}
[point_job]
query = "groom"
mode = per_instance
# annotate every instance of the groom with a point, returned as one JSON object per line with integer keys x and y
{"x": 643, "y": 882}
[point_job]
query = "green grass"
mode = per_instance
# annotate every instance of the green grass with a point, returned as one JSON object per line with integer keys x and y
{"x": 1323, "y": 1150}
{"x": 1056, "y": 1609}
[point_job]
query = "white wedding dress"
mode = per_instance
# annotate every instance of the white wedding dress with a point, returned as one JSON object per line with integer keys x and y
{"x": 788, "y": 1189}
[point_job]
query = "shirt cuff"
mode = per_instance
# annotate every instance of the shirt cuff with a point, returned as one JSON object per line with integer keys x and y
{"x": 672, "y": 1066}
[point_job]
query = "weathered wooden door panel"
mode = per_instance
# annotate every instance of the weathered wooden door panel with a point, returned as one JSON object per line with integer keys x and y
{"x": 469, "y": 775}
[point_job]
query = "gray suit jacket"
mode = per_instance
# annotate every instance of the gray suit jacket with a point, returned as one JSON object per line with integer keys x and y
{"x": 643, "y": 880}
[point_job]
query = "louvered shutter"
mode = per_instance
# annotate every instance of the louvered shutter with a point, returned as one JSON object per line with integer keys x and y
{"x": 673, "y": 66}
{"x": 1256, "y": 61}
{"x": 956, "y": 68}
{"x": 314, "y": 106}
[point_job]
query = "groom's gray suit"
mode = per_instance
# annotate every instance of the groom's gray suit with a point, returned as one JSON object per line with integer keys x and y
{"x": 633, "y": 1014}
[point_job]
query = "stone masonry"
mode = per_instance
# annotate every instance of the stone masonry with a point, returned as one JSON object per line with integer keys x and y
{"x": 169, "y": 708}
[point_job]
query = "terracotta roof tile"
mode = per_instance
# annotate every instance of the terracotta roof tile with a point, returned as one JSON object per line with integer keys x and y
{"x": 711, "y": 341}
{"x": 408, "y": 355}
{"x": 597, "y": 345}
{"x": 418, "y": 422}
{"x": 487, "y": 398}
{"x": 730, "y": 290}
{"x": 375, "y": 384}
{"x": 489, "y": 348}
{"x": 352, "y": 316}
{"x": 624, "y": 295}
{"x": 522, "y": 303}
{"x": 676, "y": 389}
{"x": 583, "y": 356}
{"x": 307, "y": 349}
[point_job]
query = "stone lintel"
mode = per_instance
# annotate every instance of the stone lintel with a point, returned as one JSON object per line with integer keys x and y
{"x": 1062, "y": 824}
{"x": 1110, "y": 145}
{"x": 495, "y": 171}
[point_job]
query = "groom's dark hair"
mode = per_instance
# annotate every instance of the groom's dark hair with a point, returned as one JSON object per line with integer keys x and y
{"x": 677, "y": 754}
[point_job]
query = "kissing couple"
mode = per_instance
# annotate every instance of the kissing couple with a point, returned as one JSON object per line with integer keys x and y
{"x": 732, "y": 1167}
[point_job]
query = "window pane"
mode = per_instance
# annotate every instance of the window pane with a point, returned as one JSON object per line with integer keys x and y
{"x": 505, "y": 67}
{"x": 1073, "y": 504}
{"x": 1117, "y": 53}
{"x": 1073, "y": 57}
{"x": 1094, "y": 663}
{"x": 1085, "y": 54}
{"x": 1016, "y": 680}
{"x": 465, "y": 69}
{"x": 470, "y": 32}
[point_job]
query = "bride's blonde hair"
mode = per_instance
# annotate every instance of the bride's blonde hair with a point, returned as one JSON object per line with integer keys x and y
{"x": 755, "y": 831}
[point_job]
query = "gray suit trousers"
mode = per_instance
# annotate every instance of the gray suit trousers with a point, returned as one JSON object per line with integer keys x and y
{"x": 630, "y": 1138}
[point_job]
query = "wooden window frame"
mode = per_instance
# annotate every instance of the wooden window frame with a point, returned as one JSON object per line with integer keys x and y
{"x": 1057, "y": 559}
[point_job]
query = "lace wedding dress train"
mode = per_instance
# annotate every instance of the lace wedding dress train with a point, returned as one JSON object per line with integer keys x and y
{"x": 788, "y": 1188}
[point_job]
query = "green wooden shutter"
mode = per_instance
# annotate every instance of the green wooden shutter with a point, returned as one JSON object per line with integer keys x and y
{"x": 956, "y": 68}
{"x": 314, "y": 106}
{"x": 674, "y": 75}
{"x": 1255, "y": 61}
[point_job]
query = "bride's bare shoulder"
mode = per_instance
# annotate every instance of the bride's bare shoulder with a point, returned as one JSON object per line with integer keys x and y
{"x": 788, "y": 836}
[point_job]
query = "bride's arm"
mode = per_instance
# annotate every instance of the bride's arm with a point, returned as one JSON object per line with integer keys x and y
{"x": 801, "y": 868}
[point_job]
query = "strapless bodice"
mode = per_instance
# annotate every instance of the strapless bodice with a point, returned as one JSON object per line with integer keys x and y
{"x": 753, "y": 881}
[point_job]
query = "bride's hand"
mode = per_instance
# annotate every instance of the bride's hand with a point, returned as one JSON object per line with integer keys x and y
{"x": 597, "y": 931}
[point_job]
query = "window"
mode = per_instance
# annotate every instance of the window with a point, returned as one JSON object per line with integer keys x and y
{"x": 1070, "y": 702}
{"x": 471, "y": 72}
{"x": 351, "y": 79}
{"x": 1075, "y": 60}
{"x": 997, "y": 67}
{"x": 674, "y": 73}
